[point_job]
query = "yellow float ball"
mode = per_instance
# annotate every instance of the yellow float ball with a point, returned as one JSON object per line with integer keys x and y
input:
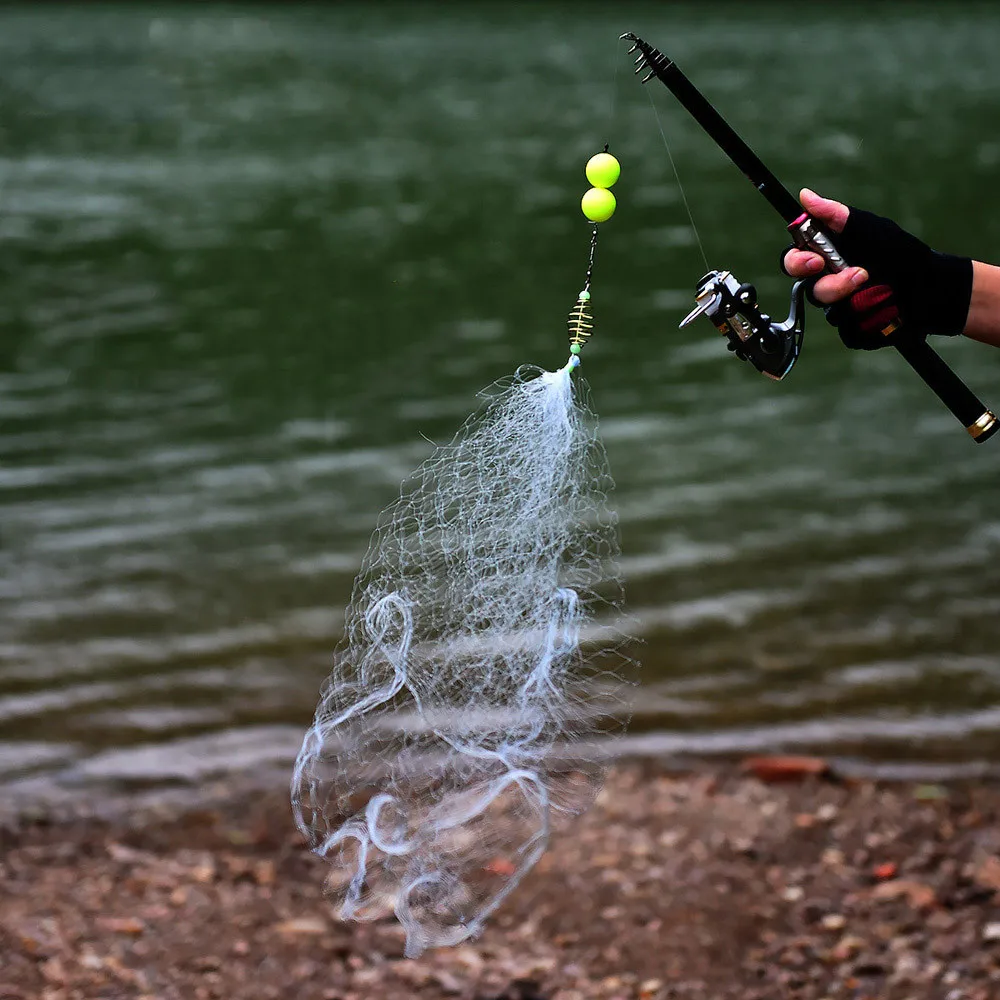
{"x": 603, "y": 170}
{"x": 598, "y": 204}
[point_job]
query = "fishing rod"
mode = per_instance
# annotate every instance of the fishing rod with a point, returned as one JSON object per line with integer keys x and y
{"x": 772, "y": 347}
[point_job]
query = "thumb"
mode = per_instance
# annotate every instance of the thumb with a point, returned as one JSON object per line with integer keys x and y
{"x": 832, "y": 213}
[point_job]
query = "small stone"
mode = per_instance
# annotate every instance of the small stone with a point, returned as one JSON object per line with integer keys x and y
{"x": 941, "y": 920}
{"x": 302, "y": 925}
{"x": 919, "y": 896}
{"x": 121, "y": 925}
{"x": 929, "y": 793}
{"x": 847, "y": 947}
{"x": 366, "y": 977}
{"x": 988, "y": 873}
{"x": 264, "y": 872}
{"x": 54, "y": 972}
{"x": 991, "y": 931}
{"x": 869, "y": 965}
{"x": 450, "y": 984}
{"x": 469, "y": 958}
{"x": 792, "y": 894}
{"x": 945, "y": 947}
{"x": 203, "y": 873}
{"x": 834, "y": 921}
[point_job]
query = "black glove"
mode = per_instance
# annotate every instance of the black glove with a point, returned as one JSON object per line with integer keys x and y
{"x": 912, "y": 289}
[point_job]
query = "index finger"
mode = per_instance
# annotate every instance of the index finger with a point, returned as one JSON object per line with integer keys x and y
{"x": 803, "y": 263}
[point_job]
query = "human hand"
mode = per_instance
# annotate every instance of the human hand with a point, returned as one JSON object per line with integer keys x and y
{"x": 832, "y": 215}
{"x": 898, "y": 289}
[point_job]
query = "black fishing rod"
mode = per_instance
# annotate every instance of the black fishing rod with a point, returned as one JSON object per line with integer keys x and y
{"x": 771, "y": 347}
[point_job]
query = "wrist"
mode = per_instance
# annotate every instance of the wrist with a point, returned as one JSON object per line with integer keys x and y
{"x": 983, "y": 320}
{"x": 947, "y": 293}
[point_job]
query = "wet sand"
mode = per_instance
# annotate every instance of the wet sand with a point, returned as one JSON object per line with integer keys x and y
{"x": 708, "y": 885}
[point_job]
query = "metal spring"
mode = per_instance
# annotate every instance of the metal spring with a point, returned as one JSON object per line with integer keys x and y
{"x": 581, "y": 323}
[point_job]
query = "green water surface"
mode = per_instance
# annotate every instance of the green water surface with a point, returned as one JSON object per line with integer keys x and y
{"x": 253, "y": 259}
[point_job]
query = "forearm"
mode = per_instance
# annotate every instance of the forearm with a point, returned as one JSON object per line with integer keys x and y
{"x": 983, "y": 323}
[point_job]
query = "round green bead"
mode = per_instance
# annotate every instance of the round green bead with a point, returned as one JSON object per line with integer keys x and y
{"x": 603, "y": 170}
{"x": 598, "y": 204}
{"x": 574, "y": 349}
{"x": 584, "y": 296}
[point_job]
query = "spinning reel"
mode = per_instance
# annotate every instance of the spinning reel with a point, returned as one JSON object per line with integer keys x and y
{"x": 753, "y": 336}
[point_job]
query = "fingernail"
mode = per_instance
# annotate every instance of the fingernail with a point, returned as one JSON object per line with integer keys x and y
{"x": 814, "y": 264}
{"x": 859, "y": 277}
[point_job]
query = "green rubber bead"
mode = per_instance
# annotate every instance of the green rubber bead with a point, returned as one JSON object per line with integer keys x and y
{"x": 584, "y": 296}
{"x": 574, "y": 349}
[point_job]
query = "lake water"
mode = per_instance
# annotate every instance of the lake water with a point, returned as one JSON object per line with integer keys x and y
{"x": 251, "y": 261}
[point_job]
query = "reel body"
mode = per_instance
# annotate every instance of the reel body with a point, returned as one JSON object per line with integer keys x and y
{"x": 772, "y": 348}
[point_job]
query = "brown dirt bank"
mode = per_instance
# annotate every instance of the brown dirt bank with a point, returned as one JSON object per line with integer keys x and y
{"x": 704, "y": 886}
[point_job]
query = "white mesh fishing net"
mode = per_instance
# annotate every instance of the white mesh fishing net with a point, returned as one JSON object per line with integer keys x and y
{"x": 480, "y": 659}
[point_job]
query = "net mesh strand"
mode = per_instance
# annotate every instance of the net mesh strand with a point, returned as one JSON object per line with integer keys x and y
{"x": 479, "y": 661}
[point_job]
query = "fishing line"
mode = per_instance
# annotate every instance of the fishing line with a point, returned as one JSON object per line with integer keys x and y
{"x": 613, "y": 115}
{"x": 666, "y": 145}
{"x": 680, "y": 186}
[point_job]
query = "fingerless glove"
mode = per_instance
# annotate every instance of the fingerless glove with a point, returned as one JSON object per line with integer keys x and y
{"x": 912, "y": 289}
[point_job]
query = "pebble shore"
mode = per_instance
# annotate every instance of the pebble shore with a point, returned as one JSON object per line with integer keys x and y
{"x": 711, "y": 885}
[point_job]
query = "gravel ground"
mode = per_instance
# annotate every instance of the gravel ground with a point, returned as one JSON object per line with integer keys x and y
{"x": 710, "y": 885}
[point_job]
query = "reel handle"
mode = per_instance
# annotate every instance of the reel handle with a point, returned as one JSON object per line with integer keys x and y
{"x": 980, "y": 422}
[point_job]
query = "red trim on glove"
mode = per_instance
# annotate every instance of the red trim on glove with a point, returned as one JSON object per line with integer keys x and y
{"x": 875, "y": 308}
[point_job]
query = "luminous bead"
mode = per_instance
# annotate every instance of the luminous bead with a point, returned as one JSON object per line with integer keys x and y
{"x": 603, "y": 170}
{"x": 584, "y": 296}
{"x": 598, "y": 204}
{"x": 574, "y": 349}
